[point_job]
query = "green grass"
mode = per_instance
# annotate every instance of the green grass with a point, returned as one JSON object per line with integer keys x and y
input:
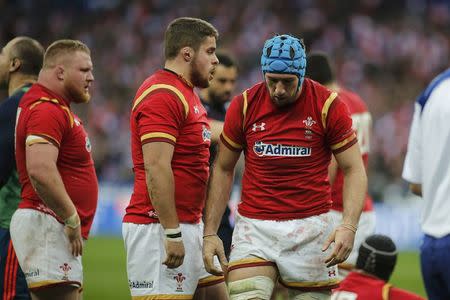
{"x": 105, "y": 275}
{"x": 407, "y": 273}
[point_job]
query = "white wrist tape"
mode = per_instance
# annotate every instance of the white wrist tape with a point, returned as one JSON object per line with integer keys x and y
{"x": 173, "y": 234}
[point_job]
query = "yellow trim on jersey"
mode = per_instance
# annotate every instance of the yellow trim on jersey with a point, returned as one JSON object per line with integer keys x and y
{"x": 311, "y": 284}
{"x": 158, "y": 135}
{"x": 209, "y": 279}
{"x": 343, "y": 143}
{"x": 43, "y": 135}
{"x": 39, "y": 284}
{"x": 156, "y": 297}
{"x": 33, "y": 139}
{"x": 326, "y": 107}
{"x": 385, "y": 291}
{"x": 244, "y": 107}
{"x": 35, "y": 103}
{"x": 229, "y": 141}
{"x": 167, "y": 87}
{"x": 54, "y": 100}
{"x": 247, "y": 261}
{"x": 67, "y": 110}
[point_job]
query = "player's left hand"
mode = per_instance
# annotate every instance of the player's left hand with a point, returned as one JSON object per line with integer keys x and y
{"x": 343, "y": 239}
{"x": 212, "y": 246}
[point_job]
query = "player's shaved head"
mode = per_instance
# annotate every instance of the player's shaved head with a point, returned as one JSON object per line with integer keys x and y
{"x": 59, "y": 50}
{"x": 186, "y": 32}
{"x": 29, "y": 52}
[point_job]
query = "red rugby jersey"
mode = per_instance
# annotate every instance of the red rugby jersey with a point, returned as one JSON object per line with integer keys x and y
{"x": 166, "y": 109}
{"x": 362, "y": 124}
{"x": 287, "y": 150}
{"x": 365, "y": 287}
{"x": 43, "y": 113}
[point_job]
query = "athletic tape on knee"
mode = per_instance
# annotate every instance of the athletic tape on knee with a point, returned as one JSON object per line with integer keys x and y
{"x": 322, "y": 295}
{"x": 259, "y": 287}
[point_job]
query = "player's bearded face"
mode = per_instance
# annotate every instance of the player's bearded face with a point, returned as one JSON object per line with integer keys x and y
{"x": 203, "y": 63}
{"x": 79, "y": 78}
{"x": 283, "y": 88}
{"x": 222, "y": 85}
{"x": 199, "y": 77}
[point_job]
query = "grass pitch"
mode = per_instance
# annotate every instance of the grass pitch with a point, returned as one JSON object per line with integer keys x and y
{"x": 105, "y": 275}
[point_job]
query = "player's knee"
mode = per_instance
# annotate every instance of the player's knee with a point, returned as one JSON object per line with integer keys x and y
{"x": 318, "y": 295}
{"x": 258, "y": 287}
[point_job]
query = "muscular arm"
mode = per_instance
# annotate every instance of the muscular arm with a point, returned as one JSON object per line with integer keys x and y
{"x": 219, "y": 187}
{"x": 355, "y": 183}
{"x": 216, "y": 130}
{"x": 160, "y": 182}
{"x": 45, "y": 178}
{"x": 355, "y": 187}
{"x": 332, "y": 170}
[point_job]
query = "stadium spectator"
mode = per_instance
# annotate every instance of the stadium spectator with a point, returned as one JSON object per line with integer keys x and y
{"x": 170, "y": 147}
{"x": 376, "y": 261}
{"x": 20, "y": 63}
{"x": 56, "y": 171}
{"x": 287, "y": 126}
{"x": 215, "y": 99}
{"x": 426, "y": 169}
{"x": 321, "y": 70}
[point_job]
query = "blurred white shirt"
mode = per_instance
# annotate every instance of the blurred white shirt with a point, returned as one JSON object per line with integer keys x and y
{"x": 427, "y": 160}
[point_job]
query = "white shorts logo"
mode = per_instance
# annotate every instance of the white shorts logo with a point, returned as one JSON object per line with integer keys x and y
{"x": 263, "y": 149}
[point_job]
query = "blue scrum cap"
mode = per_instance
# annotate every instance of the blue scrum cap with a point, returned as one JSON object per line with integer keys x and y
{"x": 284, "y": 54}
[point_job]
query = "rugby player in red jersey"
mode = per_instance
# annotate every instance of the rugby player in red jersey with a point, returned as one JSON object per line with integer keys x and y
{"x": 374, "y": 266}
{"x": 320, "y": 70}
{"x": 170, "y": 139}
{"x": 56, "y": 171}
{"x": 288, "y": 127}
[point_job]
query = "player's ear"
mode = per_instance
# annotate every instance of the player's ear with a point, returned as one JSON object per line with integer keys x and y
{"x": 59, "y": 72}
{"x": 14, "y": 65}
{"x": 187, "y": 53}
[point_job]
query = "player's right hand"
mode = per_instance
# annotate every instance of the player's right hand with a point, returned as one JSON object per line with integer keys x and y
{"x": 212, "y": 246}
{"x": 174, "y": 253}
{"x": 75, "y": 239}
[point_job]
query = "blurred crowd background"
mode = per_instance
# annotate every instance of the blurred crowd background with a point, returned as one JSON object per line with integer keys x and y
{"x": 387, "y": 51}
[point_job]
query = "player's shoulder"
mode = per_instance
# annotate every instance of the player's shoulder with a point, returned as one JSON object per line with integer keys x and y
{"x": 318, "y": 94}
{"x": 40, "y": 104}
{"x": 163, "y": 86}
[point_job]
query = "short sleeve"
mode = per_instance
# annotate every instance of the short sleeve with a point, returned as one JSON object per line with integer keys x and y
{"x": 49, "y": 121}
{"x": 232, "y": 135}
{"x": 411, "y": 168}
{"x": 339, "y": 131}
{"x": 160, "y": 117}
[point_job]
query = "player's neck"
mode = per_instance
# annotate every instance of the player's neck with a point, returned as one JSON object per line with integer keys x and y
{"x": 47, "y": 79}
{"x": 180, "y": 67}
{"x": 19, "y": 80}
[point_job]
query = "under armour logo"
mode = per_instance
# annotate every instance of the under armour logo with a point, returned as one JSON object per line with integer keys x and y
{"x": 331, "y": 273}
{"x": 260, "y": 127}
{"x": 196, "y": 111}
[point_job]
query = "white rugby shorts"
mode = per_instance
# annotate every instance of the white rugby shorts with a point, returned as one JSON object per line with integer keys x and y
{"x": 294, "y": 247}
{"x": 147, "y": 276}
{"x": 43, "y": 250}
